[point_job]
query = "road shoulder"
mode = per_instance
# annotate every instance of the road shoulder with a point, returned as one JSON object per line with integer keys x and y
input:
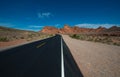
{"x": 95, "y": 59}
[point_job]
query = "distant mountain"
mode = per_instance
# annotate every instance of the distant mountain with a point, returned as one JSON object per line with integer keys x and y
{"x": 70, "y": 30}
{"x": 114, "y": 28}
{"x": 100, "y": 29}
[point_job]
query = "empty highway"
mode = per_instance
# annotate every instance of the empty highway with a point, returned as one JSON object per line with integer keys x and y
{"x": 44, "y": 58}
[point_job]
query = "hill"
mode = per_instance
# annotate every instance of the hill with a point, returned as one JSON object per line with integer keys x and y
{"x": 10, "y": 36}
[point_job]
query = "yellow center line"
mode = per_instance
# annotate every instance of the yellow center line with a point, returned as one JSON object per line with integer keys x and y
{"x": 40, "y": 45}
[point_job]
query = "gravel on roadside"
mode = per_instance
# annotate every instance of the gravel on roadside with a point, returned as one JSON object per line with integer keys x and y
{"x": 95, "y": 59}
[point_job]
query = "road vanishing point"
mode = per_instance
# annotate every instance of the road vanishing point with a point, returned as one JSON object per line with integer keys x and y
{"x": 44, "y": 58}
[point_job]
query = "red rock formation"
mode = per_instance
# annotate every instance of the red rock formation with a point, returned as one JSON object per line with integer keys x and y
{"x": 66, "y": 30}
{"x": 50, "y": 30}
{"x": 77, "y": 30}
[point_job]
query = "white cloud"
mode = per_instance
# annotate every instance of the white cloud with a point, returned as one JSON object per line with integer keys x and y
{"x": 45, "y": 14}
{"x": 57, "y": 25}
{"x": 29, "y": 29}
{"x": 86, "y": 25}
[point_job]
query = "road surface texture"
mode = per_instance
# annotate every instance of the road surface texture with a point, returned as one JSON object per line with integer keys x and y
{"x": 95, "y": 59}
{"x": 45, "y": 58}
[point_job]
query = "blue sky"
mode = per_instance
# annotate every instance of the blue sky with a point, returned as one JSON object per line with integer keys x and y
{"x": 35, "y": 14}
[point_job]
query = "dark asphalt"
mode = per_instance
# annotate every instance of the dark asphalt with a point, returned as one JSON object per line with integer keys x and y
{"x": 38, "y": 59}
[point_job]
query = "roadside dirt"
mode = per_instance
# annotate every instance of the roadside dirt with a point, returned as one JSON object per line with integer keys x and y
{"x": 11, "y": 43}
{"x": 95, "y": 59}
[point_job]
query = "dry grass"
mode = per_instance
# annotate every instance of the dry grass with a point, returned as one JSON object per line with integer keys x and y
{"x": 112, "y": 40}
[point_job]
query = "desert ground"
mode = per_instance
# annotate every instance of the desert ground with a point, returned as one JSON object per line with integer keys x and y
{"x": 11, "y": 43}
{"x": 12, "y": 37}
{"x": 95, "y": 59}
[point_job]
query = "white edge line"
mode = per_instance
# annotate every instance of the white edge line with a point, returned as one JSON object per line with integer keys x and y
{"x": 62, "y": 60}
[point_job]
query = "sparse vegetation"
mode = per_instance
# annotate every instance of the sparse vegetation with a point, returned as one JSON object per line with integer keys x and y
{"x": 75, "y": 36}
{"x": 113, "y": 40}
{"x": 9, "y": 34}
{"x": 3, "y": 39}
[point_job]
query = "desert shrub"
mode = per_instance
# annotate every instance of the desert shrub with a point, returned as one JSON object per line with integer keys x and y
{"x": 118, "y": 44}
{"x": 3, "y": 39}
{"x": 75, "y": 36}
{"x": 103, "y": 39}
{"x": 30, "y": 35}
{"x": 89, "y": 39}
{"x": 97, "y": 39}
{"x": 82, "y": 37}
{"x": 108, "y": 40}
{"x": 51, "y": 35}
{"x": 22, "y": 37}
{"x": 15, "y": 37}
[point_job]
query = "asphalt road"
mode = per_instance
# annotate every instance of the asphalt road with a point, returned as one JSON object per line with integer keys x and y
{"x": 39, "y": 59}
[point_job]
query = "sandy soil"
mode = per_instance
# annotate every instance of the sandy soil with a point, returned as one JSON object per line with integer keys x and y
{"x": 95, "y": 59}
{"x": 11, "y": 43}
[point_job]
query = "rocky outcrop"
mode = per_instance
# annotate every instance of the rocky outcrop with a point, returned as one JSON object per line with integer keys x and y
{"x": 50, "y": 30}
{"x": 114, "y": 28}
{"x": 77, "y": 30}
{"x": 66, "y": 30}
{"x": 100, "y": 29}
{"x": 112, "y": 31}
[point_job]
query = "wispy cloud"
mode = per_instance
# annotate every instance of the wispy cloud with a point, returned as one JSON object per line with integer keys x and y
{"x": 85, "y": 25}
{"x": 29, "y": 29}
{"x": 26, "y": 27}
{"x": 36, "y": 30}
{"x": 57, "y": 25}
{"x": 35, "y": 26}
{"x": 44, "y": 15}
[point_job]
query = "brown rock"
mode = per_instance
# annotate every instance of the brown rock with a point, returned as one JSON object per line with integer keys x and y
{"x": 50, "y": 30}
{"x": 100, "y": 29}
{"x": 66, "y": 30}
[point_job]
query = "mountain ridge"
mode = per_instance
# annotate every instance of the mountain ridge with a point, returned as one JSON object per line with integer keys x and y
{"x": 78, "y": 30}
